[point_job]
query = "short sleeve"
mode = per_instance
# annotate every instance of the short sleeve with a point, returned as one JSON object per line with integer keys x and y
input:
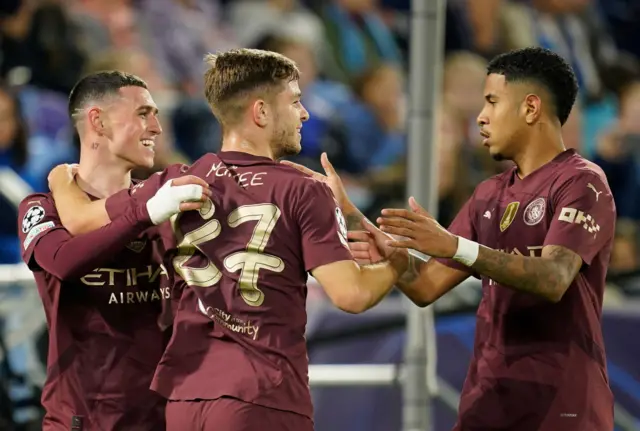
{"x": 322, "y": 227}
{"x": 462, "y": 225}
{"x": 37, "y": 216}
{"x": 120, "y": 202}
{"x": 583, "y": 216}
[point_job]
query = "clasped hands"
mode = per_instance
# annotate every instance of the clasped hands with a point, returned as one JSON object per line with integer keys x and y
{"x": 413, "y": 229}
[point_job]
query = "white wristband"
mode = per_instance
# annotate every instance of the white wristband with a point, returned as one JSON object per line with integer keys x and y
{"x": 467, "y": 251}
{"x": 166, "y": 202}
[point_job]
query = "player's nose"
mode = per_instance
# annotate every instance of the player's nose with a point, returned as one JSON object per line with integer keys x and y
{"x": 482, "y": 120}
{"x": 153, "y": 126}
{"x": 304, "y": 114}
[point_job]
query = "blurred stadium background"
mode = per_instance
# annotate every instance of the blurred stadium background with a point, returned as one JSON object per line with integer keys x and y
{"x": 354, "y": 58}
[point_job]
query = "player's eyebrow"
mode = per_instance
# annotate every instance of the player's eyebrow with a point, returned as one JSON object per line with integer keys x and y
{"x": 297, "y": 94}
{"x": 145, "y": 109}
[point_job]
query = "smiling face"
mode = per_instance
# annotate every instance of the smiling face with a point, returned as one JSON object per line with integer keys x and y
{"x": 132, "y": 126}
{"x": 288, "y": 116}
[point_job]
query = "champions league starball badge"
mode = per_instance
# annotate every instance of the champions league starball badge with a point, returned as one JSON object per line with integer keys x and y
{"x": 33, "y": 216}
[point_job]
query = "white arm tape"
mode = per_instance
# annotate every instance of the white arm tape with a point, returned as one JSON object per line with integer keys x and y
{"x": 166, "y": 202}
{"x": 467, "y": 252}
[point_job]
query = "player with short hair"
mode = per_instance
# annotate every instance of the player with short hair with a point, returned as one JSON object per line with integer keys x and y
{"x": 102, "y": 292}
{"x": 237, "y": 358}
{"x": 539, "y": 237}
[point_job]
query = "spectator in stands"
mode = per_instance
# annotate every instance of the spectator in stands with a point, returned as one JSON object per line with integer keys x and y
{"x": 462, "y": 86}
{"x": 449, "y": 141}
{"x": 376, "y": 136}
{"x": 14, "y": 165}
{"x": 325, "y": 130}
{"x": 618, "y": 153}
{"x": 38, "y": 47}
{"x": 284, "y": 18}
{"x": 184, "y": 31}
{"x": 358, "y": 38}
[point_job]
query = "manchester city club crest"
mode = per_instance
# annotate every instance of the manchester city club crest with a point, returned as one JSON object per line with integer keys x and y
{"x": 509, "y": 215}
{"x": 534, "y": 212}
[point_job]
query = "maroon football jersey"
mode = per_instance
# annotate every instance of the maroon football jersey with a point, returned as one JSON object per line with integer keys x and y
{"x": 102, "y": 295}
{"x": 539, "y": 365}
{"x": 239, "y": 327}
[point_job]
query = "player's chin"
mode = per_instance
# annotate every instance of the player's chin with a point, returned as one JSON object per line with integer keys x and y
{"x": 292, "y": 149}
{"x": 145, "y": 161}
{"x": 495, "y": 153}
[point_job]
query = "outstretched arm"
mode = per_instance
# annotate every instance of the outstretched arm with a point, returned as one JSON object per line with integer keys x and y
{"x": 574, "y": 239}
{"x": 421, "y": 281}
{"x": 164, "y": 194}
{"x": 47, "y": 245}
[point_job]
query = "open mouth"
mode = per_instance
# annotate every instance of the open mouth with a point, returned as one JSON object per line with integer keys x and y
{"x": 148, "y": 143}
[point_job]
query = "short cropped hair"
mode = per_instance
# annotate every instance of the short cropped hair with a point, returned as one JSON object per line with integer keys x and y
{"x": 234, "y": 75}
{"x": 544, "y": 67}
{"x": 98, "y": 85}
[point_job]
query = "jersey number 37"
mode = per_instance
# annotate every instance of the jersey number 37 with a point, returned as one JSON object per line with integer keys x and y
{"x": 249, "y": 262}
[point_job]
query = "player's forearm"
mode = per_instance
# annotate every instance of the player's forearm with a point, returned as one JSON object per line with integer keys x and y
{"x": 69, "y": 258}
{"x": 543, "y": 276}
{"x": 353, "y": 217}
{"x": 77, "y": 212}
{"x": 410, "y": 282}
{"x": 376, "y": 280}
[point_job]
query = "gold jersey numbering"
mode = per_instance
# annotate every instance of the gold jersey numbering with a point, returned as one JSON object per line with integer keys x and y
{"x": 249, "y": 261}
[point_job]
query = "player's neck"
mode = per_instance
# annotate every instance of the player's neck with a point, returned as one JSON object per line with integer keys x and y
{"x": 233, "y": 141}
{"x": 539, "y": 151}
{"x": 103, "y": 179}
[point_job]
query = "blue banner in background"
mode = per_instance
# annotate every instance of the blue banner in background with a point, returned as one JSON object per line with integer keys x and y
{"x": 380, "y": 408}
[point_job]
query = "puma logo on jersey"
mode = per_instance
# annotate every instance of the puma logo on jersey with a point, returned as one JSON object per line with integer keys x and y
{"x": 487, "y": 214}
{"x": 592, "y": 187}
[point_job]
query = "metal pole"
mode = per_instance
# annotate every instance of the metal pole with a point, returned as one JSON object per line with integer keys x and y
{"x": 426, "y": 52}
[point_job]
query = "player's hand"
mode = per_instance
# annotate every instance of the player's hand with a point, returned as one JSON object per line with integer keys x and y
{"x": 182, "y": 194}
{"x": 363, "y": 247}
{"x": 332, "y": 179}
{"x": 62, "y": 174}
{"x": 422, "y": 232}
{"x": 191, "y": 179}
{"x": 370, "y": 246}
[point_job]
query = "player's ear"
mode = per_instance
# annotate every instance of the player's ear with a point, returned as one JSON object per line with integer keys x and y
{"x": 260, "y": 112}
{"x": 96, "y": 119}
{"x": 533, "y": 108}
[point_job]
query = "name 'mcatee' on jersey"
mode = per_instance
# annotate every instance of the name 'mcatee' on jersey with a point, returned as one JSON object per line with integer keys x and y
{"x": 239, "y": 327}
{"x": 544, "y": 361}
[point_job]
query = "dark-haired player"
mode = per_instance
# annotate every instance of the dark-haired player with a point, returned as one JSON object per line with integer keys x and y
{"x": 102, "y": 292}
{"x": 237, "y": 359}
{"x": 539, "y": 236}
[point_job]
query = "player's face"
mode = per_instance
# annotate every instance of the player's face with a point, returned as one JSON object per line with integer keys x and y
{"x": 133, "y": 127}
{"x": 288, "y": 119}
{"x": 501, "y": 118}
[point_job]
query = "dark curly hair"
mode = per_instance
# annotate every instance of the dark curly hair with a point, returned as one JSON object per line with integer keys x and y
{"x": 543, "y": 67}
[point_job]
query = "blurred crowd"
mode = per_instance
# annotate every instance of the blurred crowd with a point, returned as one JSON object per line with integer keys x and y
{"x": 353, "y": 57}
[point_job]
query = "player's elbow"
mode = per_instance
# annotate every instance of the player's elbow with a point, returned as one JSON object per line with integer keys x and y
{"x": 65, "y": 272}
{"x": 557, "y": 292}
{"x": 351, "y": 303}
{"x": 422, "y": 302}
